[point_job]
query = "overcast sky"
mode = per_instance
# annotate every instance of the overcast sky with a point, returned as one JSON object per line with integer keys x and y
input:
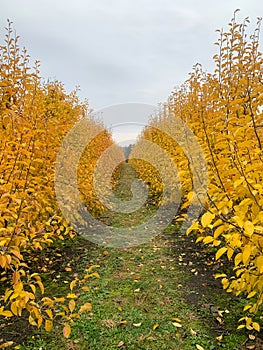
{"x": 121, "y": 51}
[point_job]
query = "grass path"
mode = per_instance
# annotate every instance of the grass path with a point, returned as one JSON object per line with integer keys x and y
{"x": 154, "y": 296}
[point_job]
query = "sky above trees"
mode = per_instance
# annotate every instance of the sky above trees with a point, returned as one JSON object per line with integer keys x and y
{"x": 122, "y": 51}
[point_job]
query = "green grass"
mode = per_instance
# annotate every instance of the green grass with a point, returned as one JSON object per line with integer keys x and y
{"x": 143, "y": 286}
{"x": 137, "y": 289}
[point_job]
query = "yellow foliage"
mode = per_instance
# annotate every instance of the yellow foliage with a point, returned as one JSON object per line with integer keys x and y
{"x": 35, "y": 117}
{"x": 224, "y": 111}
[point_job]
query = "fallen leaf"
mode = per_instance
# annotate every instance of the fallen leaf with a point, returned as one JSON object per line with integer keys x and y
{"x": 176, "y": 324}
{"x": 219, "y": 319}
{"x": 66, "y": 331}
{"x": 137, "y": 324}
{"x": 85, "y": 288}
{"x": 5, "y": 345}
{"x": 95, "y": 274}
{"x": 199, "y": 347}
{"x": 156, "y": 325}
{"x": 193, "y": 333}
{"x": 48, "y": 325}
{"x": 85, "y": 307}
{"x": 220, "y": 312}
{"x": 71, "y": 305}
{"x": 220, "y": 338}
{"x": 122, "y": 323}
{"x": 92, "y": 267}
{"x": 71, "y": 296}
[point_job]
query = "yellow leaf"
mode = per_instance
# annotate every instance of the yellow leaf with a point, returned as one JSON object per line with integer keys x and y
{"x": 199, "y": 347}
{"x": 2, "y": 261}
{"x": 241, "y": 326}
{"x": 16, "y": 277}
{"x": 33, "y": 287}
{"x": 6, "y": 344}
{"x": 176, "y": 324}
{"x": 246, "y": 307}
{"x": 219, "y": 338}
{"x": 230, "y": 253}
{"x": 95, "y": 274}
{"x": 220, "y": 275}
{"x": 49, "y": 313}
{"x": 85, "y": 288}
{"x": 60, "y": 300}
{"x": 40, "y": 284}
{"x": 238, "y": 220}
{"x": 156, "y": 325}
{"x": 249, "y": 227}
{"x": 238, "y": 182}
{"x": 71, "y": 296}
{"x": 7, "y": 294}
{"x": 220, "y": 252}
{"x": 137, "y": 324}
{"x": 85, "y": 307}
{"x": 71, "y": 305}
{"x": 14, "y": 308}
{"x": 208, "y": 239}
{"x": 193, "y": 227}
{"x": 92, "y": 267}
{"x": 251, "y": 294}
{"x": 66, "y": 331}
{"x": 219, "y": 230}
{"x": 72, "y": 284}
{"x": 207, "y": 218}
{"x": 256, "y": 326}
{"x": 62, "y": 313}
{"x": 216, "y": 243}
{"x": 238, "y": 258}
{"x": 6, "y": 313}
{"x": 123, "y": 322}
{"x": 219, "y": 319}
{"x": 246, "y": 254}
{"x": 48, "y": 325}
{"x": 193, "y": 333}
{"x": 32, "y": 321}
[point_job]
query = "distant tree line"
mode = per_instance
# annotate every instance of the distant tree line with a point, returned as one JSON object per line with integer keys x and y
{"x": 127, "y": 150}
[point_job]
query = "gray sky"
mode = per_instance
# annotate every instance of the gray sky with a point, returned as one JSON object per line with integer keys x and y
{"x": 121, "y": 51}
